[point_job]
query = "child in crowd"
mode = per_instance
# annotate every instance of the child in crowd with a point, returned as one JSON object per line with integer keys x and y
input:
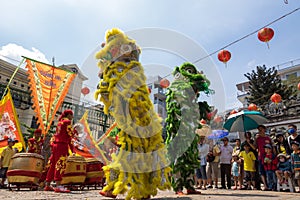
{"x": 284, "y": 169}
{"x": 249, "y": 166}
{"x": 270, "y": 165}
{"x": 295, "y": 158}
{"x": 235, "y": 170}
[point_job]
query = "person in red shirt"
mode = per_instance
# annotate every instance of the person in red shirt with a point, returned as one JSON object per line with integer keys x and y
{"x": 35, "y": 144}
{"x": 261, "y": 140}
{"x": 270, "y": 166}
{"x": 61, "y": 142}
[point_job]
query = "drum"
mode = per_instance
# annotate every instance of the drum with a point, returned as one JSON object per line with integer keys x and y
{"x": 75, "y": 171}
{"x": 25, "y": 168}
{"x": 94, "y": 172}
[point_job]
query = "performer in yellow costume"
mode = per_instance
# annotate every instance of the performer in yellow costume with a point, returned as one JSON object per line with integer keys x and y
{"x": 140, "y": 167}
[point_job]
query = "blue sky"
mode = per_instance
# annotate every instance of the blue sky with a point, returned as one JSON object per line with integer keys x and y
{"x": 71, "y": 30}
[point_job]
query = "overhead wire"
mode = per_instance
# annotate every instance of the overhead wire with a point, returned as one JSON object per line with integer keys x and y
{"x": 214, "y": 52}
{"x": 224, "y": 47}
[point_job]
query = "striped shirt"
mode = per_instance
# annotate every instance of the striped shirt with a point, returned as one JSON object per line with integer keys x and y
{"x": 295, "y": 157}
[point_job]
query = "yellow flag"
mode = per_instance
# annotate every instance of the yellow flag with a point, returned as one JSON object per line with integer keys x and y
{"x": 9, "y": 124}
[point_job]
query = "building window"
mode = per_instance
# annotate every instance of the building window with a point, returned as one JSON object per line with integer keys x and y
{"x": 22, "y": 85}
{"x": 34, "y": 123}
{"x": 155, "y": 100}
{"x": 291, "y": 76}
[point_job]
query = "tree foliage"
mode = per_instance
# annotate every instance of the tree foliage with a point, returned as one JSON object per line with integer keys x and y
{"x": 263, "y": 83}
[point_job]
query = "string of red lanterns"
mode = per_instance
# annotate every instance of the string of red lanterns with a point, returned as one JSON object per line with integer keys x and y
{"x": 264, "y": 35}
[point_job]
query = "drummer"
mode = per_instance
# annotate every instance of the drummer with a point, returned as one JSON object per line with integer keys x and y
{"x": 61, "y": 142}
{"x": 6, "y": 156}
{"x": 35, "y": 144}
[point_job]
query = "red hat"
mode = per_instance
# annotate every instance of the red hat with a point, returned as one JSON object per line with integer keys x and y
{"x": 38, "y": 131}
{"x": 65, "y": 114}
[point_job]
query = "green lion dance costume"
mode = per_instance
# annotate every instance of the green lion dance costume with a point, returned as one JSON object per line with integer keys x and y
{"x": 140, "y": 167}
{"x": 184, "y": 113}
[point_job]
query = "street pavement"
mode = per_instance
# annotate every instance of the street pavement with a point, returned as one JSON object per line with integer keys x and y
{"x": 25, "y": 194}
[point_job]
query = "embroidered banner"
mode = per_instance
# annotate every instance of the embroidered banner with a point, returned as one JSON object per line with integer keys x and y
{"x": 9, "y": 124}
{"x": 49, "y": 86}
{"x": 84, "y": 142}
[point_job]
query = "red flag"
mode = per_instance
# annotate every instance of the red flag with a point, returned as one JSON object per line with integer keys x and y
{"x": 49, "y": 86}
{"x": 84, "y": 142}
{"x": 9, "y": 123}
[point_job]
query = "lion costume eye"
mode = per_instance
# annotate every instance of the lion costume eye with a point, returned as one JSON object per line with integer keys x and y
{"x": 177, "y": 75}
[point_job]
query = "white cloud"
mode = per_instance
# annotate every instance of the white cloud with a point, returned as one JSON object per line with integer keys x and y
{"x": 13, "y": 52}
{"x": 232, "y": 102}
{"x": 251, "y": 64}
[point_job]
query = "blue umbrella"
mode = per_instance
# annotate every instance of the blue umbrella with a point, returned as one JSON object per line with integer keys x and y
{"x": 244, "y": 120}
{"x": 218, "y": 134}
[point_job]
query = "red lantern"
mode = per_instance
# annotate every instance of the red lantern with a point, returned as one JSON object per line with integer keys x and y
{"x": 202, "y": 121}
{"x": 298, "y": 86}
{"x": 276, "y": 98}
{"x": 252, "y": 106}
{"x": 224, "y": 56}
{"x": 85, "y": 91}
{"x": 164, "y": 83}
{"x": 265, "y": 35}
{"x": 233, "y": 112}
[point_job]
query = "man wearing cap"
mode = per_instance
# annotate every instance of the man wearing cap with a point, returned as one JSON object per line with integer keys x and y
{"x": 225, "y": 163}
{"x": 6, "y": 156}
{"x": 293, "y": 135}
{"x": 35, "y": 144}
{"x": 260, "y": 141}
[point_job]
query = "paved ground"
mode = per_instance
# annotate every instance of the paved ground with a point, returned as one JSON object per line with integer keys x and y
{"x": 163, "y": 195}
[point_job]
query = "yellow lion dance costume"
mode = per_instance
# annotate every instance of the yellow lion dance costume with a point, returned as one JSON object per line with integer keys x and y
{"x": 140, "y": 167}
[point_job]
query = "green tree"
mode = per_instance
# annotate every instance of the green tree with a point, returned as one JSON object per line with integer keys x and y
{"x": 263, "y": 83}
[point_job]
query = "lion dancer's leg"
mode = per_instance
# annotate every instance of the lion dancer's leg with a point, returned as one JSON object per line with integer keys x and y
{"x": 111, "y": 177}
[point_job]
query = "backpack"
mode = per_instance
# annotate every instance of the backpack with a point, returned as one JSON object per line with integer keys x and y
{"x": 210, "y": 157}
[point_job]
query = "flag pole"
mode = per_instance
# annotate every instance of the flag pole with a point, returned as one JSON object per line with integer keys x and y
{"x": 53, "y": 64}
{"x": 12, "y": 77}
